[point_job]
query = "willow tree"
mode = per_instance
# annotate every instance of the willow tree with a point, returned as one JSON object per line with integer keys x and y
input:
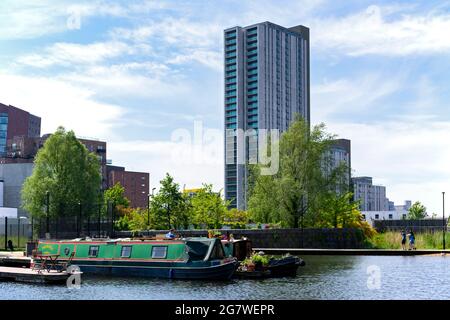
{"x": 306, "y": 177}
{"x": 66, "y": 173}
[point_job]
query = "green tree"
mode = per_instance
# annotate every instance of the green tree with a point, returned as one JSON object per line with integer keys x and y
{"x": 237, "y": 219}
{"x": 264, "y": 200}
{"x": 68, "y": 172}
{"x": 338, "y": 211}
{"x": 169, "y": 208}
{"x": 305, "y": 179}
{"x": 417, "y": 211}
{"x": 116, "y": 195}
{"x": 208, "y": 208}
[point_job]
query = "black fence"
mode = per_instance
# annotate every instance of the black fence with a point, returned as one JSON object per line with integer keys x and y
{"x": 425, "y": 225}
{"x": 14, "y": 233}
{"x": 74, "y": 227}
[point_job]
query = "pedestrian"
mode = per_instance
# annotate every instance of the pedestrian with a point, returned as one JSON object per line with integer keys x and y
{"x": 10, "y": 245}
{"x": 170, "y": 234}
{"x": 412, "y": 240}
{"x": 403, "y": 233}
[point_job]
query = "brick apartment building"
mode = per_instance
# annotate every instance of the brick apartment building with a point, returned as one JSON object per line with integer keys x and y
{"x": 136, "y": 184}
{"x": 17, "y": 125}
{"x": 20, "y": 140}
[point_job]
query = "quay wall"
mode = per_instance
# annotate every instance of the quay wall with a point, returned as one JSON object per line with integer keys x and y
{"x": 284, "y": 238}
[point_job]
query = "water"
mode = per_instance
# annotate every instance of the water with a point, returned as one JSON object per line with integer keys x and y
{"x": 323, "y": 277}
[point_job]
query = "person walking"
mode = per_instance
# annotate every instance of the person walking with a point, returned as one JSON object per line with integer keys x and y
{"x": 403, "y": 233}
{"x": 412, "y": 240}
{"x": 10, "y": 245}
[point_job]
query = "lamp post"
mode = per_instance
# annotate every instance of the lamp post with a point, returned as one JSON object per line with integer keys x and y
{"x": 148, "y": 206}
{"x": 48, "y": 211}
{"x": 18, "y": 230}
{"x": 79, "y": 219}
{"x": 444, "y": 225}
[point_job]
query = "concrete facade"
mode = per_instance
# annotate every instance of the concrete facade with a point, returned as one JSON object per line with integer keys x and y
{"x": 371, "y": 197}
{"x": 266, "y": 84}
{"x": 340, "y": 152}
{"x": 13, "y": 176}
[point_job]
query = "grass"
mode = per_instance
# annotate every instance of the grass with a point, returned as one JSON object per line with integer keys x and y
{"x": 393, "y": 240}
{"x": 23, "y": 243}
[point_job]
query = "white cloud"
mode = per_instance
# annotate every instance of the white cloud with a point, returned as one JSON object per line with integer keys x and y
{"x": 191, "y": 168}
{"x": 72, "y": 54}
{"x": 373, "y": 31}
{"x": 59, "y": 103}
{"x": 352, "y": 95}
{"x": 137, "y": 80}
{"x": 410, "y": 157}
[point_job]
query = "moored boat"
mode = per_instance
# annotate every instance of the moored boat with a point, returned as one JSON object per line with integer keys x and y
{"x": 241, "y": 249}
{"x": 187, "y": 258}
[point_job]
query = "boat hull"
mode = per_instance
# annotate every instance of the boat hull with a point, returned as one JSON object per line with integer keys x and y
{"x": 206, "y": 271}
{"x": 286, "y": 267}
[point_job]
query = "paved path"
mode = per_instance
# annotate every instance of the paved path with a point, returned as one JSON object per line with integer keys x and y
{"x": 350, "y": 252}
{"x": 11, "y": 254}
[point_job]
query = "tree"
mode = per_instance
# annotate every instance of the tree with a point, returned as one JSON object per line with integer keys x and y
{"x": 338, "y": 211}
{"x": 417, "y": 211}
{"x": 264, "y": 200}
{"x": 208, "y": 208}
{"x": 169, "y": 208}
{"x": 236, "y": 219}
{"x": 68, "y": 172}
{"x": 305, "y": 179}
{"x": 116, "y": 195}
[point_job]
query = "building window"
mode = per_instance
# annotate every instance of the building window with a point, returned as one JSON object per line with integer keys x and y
{"x": 390, "y": 217}
{"x": 93, "y": 251}
{"x": 159, "y": 252}
{"x": 126, "y": 252}
{"x": 377, "y": 216}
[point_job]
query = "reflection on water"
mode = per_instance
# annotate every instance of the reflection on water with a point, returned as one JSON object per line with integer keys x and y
{"x": 323, "y": 277}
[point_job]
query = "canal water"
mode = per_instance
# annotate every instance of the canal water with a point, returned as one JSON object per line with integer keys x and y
{"x": 323, "y": 277}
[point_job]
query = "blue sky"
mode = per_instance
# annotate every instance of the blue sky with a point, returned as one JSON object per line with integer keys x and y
{"x": 142, "y": 74}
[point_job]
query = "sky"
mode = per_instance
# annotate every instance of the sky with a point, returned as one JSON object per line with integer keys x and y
{"x": 147, "y": 77}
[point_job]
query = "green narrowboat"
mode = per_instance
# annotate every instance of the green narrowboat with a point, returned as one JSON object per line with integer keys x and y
{"x": 187, "y": 258}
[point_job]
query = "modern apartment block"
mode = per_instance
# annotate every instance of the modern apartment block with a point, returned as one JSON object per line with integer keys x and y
{"x": 371, "y": 197}
{"x": 266, "y": 84}
{"x": 136, "y": 185}
{"x": 15, "y": 122}
{"x": 340, "y": 153}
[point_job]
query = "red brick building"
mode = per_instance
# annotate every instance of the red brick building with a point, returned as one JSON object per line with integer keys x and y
{"x": 136, "y": 184}
{"x": 15, "y": 123}
{"x": 20, "y": 141}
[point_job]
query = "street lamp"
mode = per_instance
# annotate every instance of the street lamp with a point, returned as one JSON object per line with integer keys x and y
{"x": 18, "y": 230}
{"x": 148, "y": 206}
{"x": 444, "y": 225}
{"x": 48, "y": 211}
{"x": 79, "y": 219}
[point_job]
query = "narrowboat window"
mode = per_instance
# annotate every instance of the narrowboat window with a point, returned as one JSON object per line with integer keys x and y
{"x": 126, "y": 252}
{"x": 159, "y": 252}
{"x": 93, "y": 251}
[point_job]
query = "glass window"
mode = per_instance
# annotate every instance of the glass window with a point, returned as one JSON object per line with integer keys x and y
{"x": 93, "y": 251}
{"x": 159, "y": 252}
{"x": 126, "y": 252}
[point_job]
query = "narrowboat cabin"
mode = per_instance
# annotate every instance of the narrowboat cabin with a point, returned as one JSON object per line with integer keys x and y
{"x": 187, "y": 258}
